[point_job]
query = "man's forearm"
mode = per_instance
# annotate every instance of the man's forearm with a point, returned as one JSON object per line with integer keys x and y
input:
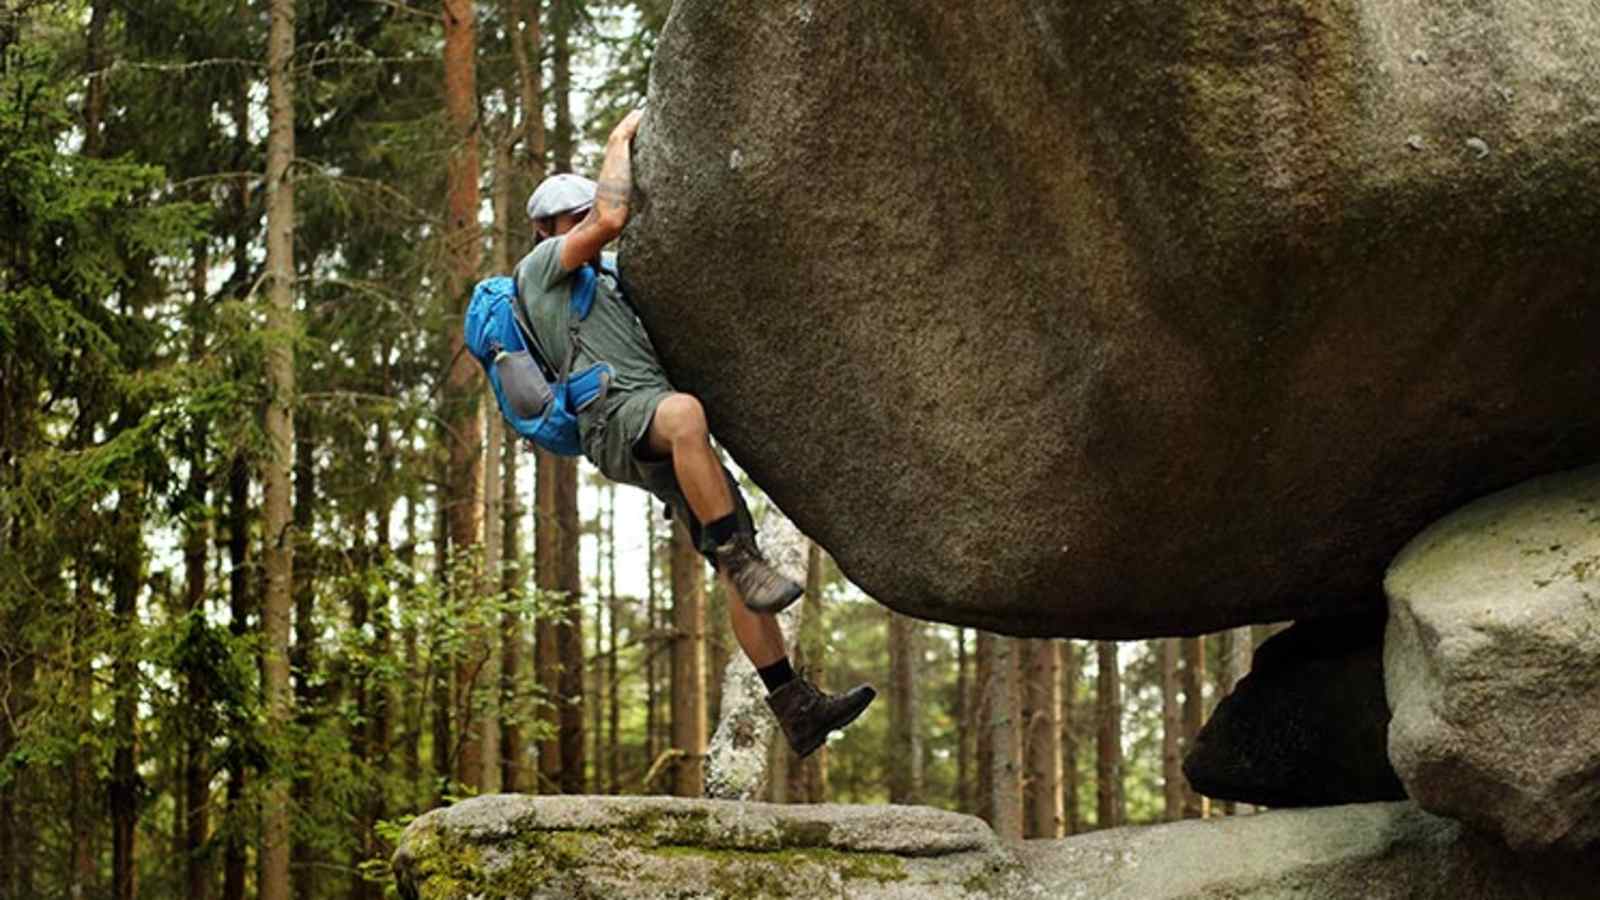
{"x": 615, "y": 185}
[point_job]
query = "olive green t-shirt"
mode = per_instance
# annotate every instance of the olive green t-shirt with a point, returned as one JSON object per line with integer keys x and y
{"x": 611, "y": 334}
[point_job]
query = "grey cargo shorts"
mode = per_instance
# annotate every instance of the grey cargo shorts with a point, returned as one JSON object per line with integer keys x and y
{"x": 613, "y": 441}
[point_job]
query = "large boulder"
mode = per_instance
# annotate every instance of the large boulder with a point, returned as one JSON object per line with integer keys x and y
{"x": 1492, "y": 662}
{"x": 1124, "y": 319}
{"x": 655, "y": 848}
{"x": 1307, "y": 727}
{"x": 555, "y": 848}
{"x": 1374, "y": 851}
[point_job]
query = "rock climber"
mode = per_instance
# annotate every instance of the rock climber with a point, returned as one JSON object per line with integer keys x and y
{"x": 645, "y": 433}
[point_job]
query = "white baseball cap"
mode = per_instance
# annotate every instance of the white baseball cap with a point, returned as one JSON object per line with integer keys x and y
{"x": 559, "y": 194}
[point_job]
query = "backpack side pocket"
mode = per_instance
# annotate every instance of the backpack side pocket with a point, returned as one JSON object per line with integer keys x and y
{"x": 522, "y": 384}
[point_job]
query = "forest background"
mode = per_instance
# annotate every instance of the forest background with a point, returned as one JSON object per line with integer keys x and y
{"x": 273, "y": 579}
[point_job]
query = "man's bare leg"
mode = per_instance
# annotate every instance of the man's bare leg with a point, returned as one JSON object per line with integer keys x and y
{"x": 678, "y": 430}
{"x": 758, "y": 633}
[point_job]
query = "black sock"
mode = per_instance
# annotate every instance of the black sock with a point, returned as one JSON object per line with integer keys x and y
{"x": 776, "y": 675}
{"x": 722, "y": 530}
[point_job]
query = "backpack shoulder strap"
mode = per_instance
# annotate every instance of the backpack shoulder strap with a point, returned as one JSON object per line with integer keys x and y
{"x": 529, "y": 337}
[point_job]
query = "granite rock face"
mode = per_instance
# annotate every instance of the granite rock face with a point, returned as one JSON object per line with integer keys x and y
{"x": 1307, "y": 727}
{"x": 1126, "y": 319}
{"x": 542, "y": 848}
{"x": 1492, "y": 661}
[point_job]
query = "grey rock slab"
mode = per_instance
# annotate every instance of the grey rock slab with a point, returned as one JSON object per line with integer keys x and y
{"x": 1380, "y": 851}
{"x": 653, "y": 847}
{"x": 1308, "y": 726}
{"x": 1492, "y": 663}
{"x": 1126, "y": 319}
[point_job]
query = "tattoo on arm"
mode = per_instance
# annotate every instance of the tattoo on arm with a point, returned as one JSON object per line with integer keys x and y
{"x": 614, "y": 191}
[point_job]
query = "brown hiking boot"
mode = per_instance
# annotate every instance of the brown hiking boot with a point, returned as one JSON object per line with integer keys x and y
{"x": 808, "y": 715}
{"x": 764, "y": 589}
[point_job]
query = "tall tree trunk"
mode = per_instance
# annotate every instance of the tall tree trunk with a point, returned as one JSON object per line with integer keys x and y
{"x": 507, "y": 516}
{"x": 1195, "y": 806}
{"x": 240, "y": 604}
{"x": 126, "y": 580}
{"x": 569, "y": 629}
{"x": 1069, "y": 736}
{"x": 613, "y": 677}
{"x": 277, "y": 540}
{"x": 597, "y": 674}
{"x": 808, "y": 778}
{"x": 983, "y": 749}
{"x": 563, "y": 14}
{"x": 904, "y": 751}
{"x": 304, "y": 861}
{"x": 1172, "y": 781}
{"x": 1004, "y": 716}
{"x": 1041, "y": 686}
{"x": 84, "y": 811}
{"x": 489, "y": 675}
{"x": 462, "y": 388}
{"x": 688, "y": 664}
{"x": 547, "y": 566}
{"x": 652, "y": 647}
{"x": 440, "y": 670}
{"x": 1108, "y": 738}
{"x": 197, "y": 534}
{"x": 411, "y": 689}
{"x": 964, "y": 730}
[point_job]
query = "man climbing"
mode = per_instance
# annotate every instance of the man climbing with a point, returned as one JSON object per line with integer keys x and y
{"x": 644, "y": 433}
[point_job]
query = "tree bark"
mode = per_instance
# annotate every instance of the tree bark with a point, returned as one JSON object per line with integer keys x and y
{"x": 1108, "y": 742}
{"x": 652, "y": 647}
{"x": 964, "y": 726}
{"x": 563, "y": 13}
{"x": 569, "y": 629}
{"x": 983, "y": 749}
{"x": 515, "y": 776}
{"x": 547, "y": 663}
{"x": 1041, "y": 711}
{"x": 277, "y": 539}
{"x": 613, "y": 677}
{"x": 1172, "y": 781}
{"x": 1069, "y": 736}
{"x": 463, "y": 424}
{"x": 905, "y": 741}
{"x": 808, "y": 778}
{"x": 240, "y": 604}
{"x": 126, "y": 580}
{"x": 1003, "y": 727}
{"x": 304, "y": 861}
{"x": 688, "y": 665}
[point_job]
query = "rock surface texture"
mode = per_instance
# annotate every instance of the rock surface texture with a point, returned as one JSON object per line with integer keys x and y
{"x": 651, "y": 848}
{"x": 1307, "y": 727}
{"x": 1492, "y": 661}
{"x": 533, "y": 848}
{"x": 1125, "y": 319}
{"x": 1378, "y": 851}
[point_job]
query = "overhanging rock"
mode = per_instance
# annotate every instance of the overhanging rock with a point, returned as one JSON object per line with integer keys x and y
{"x": 1125, "y": 319}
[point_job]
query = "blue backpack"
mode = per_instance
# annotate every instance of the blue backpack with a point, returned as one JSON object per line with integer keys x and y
{"x": 540, "y": 402}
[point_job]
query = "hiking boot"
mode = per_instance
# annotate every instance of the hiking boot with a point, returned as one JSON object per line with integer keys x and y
{"x": 764, "y": 589}
{"x": 808, "y": 715}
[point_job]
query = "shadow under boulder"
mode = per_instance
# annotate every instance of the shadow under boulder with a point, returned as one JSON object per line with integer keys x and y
{"x": 1308, "y": 726}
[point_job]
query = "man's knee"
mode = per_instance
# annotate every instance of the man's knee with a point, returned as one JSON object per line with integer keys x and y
{"x": 681, "y": 417}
